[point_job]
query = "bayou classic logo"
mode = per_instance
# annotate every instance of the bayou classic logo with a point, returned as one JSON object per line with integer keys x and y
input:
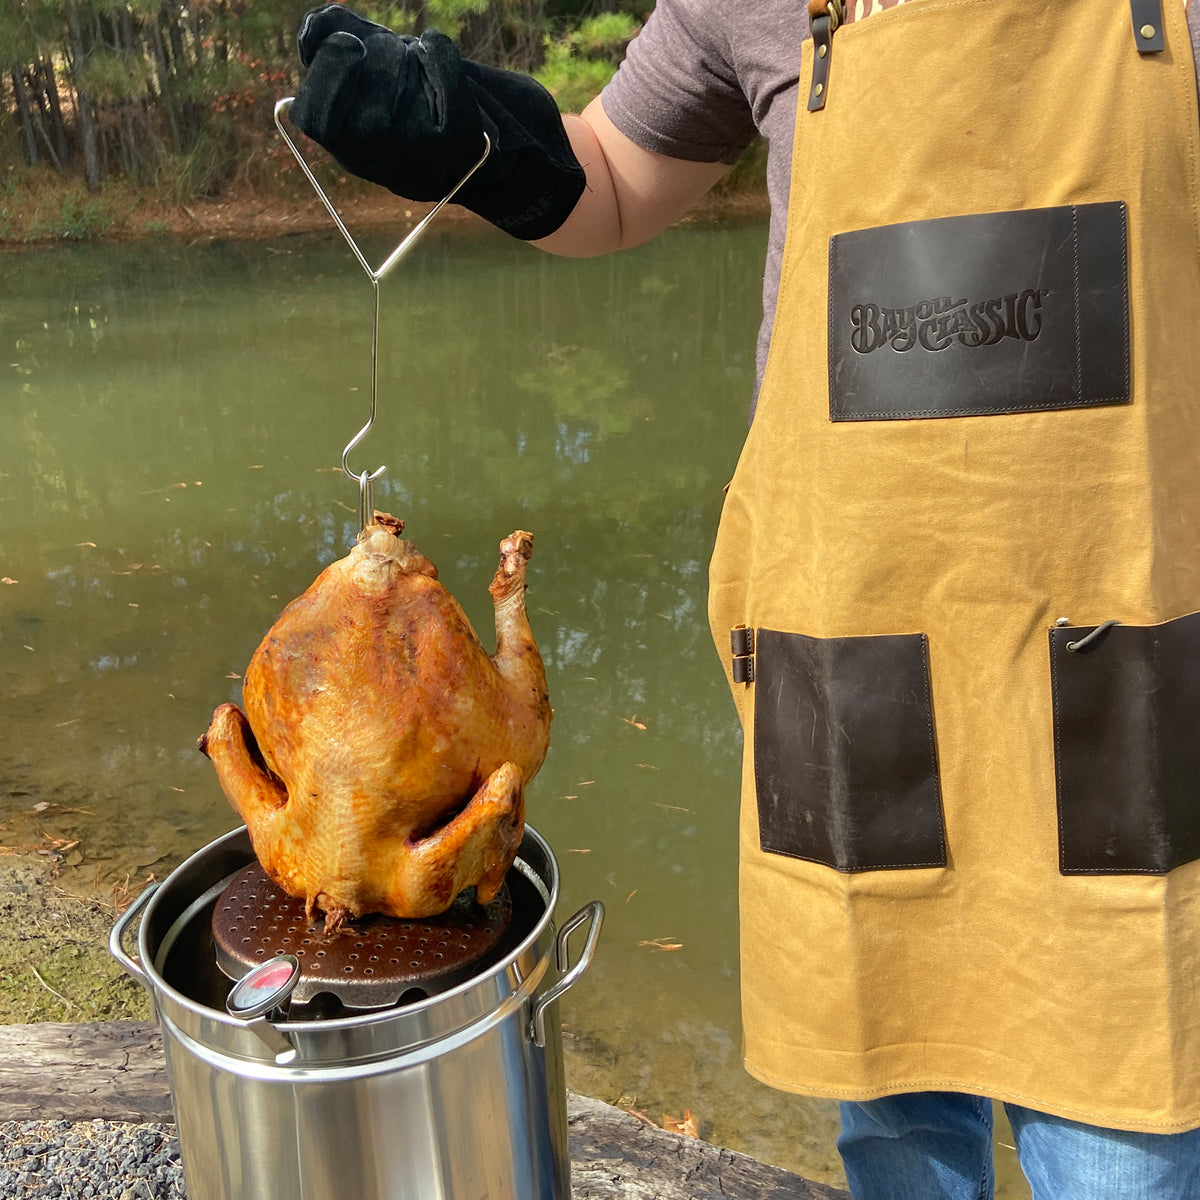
{"x": 938, "y": 324}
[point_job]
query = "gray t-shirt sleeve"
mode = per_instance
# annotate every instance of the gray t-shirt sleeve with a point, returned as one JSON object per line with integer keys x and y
{"x": 676, "y": 92}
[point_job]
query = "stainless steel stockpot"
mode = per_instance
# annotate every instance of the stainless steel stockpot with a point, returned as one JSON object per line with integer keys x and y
{"x": 459, "y": 1096}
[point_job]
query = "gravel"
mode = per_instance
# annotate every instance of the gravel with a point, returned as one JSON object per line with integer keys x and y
{"x": 89, "y": 1160}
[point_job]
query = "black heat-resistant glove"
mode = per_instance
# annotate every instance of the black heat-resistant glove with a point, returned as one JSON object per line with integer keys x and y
{"x": 410, "y": 113}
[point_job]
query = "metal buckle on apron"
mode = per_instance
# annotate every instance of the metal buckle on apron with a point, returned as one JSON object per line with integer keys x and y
{"x": 741, "y": 640}
{"x": 825, "y": 16}
{"x": 1147, "y": 25}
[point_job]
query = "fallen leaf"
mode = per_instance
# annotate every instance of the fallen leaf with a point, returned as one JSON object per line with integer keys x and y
{"x": 662, "y": 943}
{"x": 629, "y": 1104}
{"x": 579, "y": 852}
{"x": 585, "y": 783}
{"x": 92, "y": 544}
{"x": 60, "y": 845}
{"x": 6, "y": 580}
{"x": 648, "y": 766}
{"x": 122, "y": 896}
{"x": 668, "y": 807}
{"x": 570, "y": 797}
{"x": 233, "y": 675}
{"x": 140, "y": 567}
{"x": 631, "y": 895}
{"x": 633, "y": 721}
{"x": 689, "y": 1126}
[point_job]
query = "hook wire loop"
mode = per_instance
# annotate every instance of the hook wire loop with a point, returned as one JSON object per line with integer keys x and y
{"x": 375, "y": 274}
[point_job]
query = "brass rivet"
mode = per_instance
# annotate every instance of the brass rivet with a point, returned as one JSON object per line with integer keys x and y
{"x": 818, "y": 89}
{"x": 1147, "y": 31}
{"x": 822, "y": 51}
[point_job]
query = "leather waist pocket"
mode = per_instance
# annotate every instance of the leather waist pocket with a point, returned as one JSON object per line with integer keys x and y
{"x": 844, "y": 759}
{"x": 1127, "y": 746}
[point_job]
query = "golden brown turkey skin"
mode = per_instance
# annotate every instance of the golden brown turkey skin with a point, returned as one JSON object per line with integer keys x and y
{"x": 381, "y": 761}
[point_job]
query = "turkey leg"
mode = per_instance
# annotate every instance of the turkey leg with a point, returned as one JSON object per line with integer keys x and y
{"x": 477, "y": 846}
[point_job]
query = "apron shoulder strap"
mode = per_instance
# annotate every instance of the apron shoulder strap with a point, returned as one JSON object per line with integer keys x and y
{"x": 826, "y": 15}
{"x": 1147, "y": 26}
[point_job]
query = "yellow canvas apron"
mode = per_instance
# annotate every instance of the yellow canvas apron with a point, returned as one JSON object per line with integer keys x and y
{"x": 970, "y": 835}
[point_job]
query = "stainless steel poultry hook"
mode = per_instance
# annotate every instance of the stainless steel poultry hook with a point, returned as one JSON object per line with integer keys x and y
{"x": 366, "y": 480}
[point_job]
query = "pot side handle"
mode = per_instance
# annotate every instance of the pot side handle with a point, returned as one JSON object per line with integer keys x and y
{"x": 593, "y": 911}
{"x": 117, "y": 937}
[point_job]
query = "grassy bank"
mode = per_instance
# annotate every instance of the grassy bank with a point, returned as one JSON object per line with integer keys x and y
{"x": 54, "y": 960}
{"x": 39, "y": 207}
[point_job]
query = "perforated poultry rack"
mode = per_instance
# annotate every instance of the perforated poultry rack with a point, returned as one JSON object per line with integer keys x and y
{"x": 372, "y": 963}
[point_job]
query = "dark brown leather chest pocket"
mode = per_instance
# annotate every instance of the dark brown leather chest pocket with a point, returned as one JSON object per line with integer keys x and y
{"x": 978, "y": 315}
{"x": 844, "y": 759}
{"x": 1127, "y": 746}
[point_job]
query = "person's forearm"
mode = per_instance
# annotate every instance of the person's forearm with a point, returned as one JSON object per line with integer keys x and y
{"x": 594, "y": 226}
{"x": 631, "y": 194}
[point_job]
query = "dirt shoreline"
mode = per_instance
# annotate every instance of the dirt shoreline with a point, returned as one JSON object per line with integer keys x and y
{"x": 68, "y": 215}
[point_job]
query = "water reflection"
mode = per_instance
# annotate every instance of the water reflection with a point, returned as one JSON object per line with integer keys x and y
{"x": 169, "y": 479}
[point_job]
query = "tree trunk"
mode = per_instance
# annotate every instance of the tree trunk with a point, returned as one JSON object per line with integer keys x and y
{"x": 176, "y": 44}
{"x": 163, "y": 70}
{"x": 221, "y": 39}
{"x": 197, "y": 39}
{"x": 22, "y": 94}
{"x": 87, "y": 121}
{"x": 38, "y": 113}
{"x": 58, "y": 128}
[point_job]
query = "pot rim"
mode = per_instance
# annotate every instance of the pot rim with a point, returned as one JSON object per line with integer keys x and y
{"x": 548, "y": 890}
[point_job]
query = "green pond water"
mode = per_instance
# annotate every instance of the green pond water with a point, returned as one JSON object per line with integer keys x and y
{"x": 174, "y": 418}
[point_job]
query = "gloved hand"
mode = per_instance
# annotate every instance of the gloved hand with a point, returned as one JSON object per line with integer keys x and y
{"x": 410, "y": 113}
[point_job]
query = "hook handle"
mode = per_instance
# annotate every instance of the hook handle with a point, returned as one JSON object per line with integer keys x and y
{"x": 283, "y": 106}
{"x": 365, "y": 494}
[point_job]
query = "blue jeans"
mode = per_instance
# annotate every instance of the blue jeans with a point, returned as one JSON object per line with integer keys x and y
{"x": 938, "y": 1146}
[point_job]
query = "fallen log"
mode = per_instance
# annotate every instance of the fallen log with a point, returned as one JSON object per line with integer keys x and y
{"x": 114, "y": 1071}
{"x": 614, "y": 1156}
{"x": 107, "y": 1070}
